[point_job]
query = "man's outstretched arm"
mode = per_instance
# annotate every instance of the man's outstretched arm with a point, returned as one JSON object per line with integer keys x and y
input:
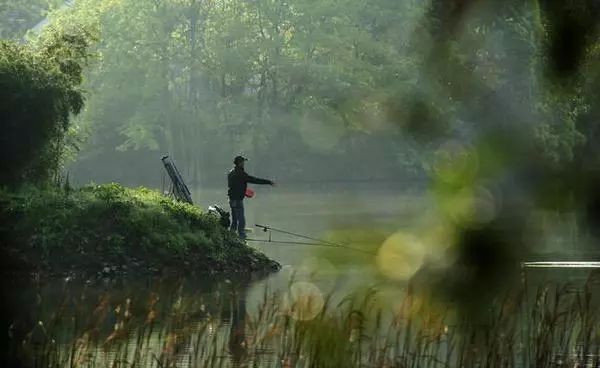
{"x": 253, "y": 180}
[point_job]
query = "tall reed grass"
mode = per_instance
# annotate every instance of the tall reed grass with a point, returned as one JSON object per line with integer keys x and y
{"x": 551, "y": 325}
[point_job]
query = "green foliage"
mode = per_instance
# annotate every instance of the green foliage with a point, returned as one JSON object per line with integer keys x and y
{"x": 267, "y": 77}
{"x": 95, "y": 225}
{"x": 305, "y": 81}
{"x": 40, "y": 92}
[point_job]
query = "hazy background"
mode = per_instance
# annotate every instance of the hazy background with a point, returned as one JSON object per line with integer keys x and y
{"x": 301, "y": 88}
{"x": 312, "y": 92}
{"x": 463, "y": 115}
{"x": 448, "y": 140}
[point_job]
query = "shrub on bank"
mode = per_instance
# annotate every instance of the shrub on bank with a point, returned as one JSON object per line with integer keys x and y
{"x": 40, "y": 93}
{"x": 112, "y": 229}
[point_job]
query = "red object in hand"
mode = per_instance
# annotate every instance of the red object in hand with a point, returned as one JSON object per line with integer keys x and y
{"x": 249, "y": 193}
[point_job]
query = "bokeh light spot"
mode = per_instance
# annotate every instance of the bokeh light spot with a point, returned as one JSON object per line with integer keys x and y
{"x": 304, "y": 301}
{"x": 400, "y": 256}
{"x": 455, "y": 164}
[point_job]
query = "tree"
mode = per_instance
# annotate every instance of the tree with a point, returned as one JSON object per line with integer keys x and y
{"x": 205, "y": 79}
{"x": 197, "y": 77}
{"x": 40, "y": 92}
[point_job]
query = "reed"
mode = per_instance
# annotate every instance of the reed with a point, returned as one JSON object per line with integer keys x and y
{"x": 556, "y": 325}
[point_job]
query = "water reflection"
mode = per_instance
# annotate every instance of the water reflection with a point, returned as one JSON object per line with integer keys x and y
{"x": 240, "y": 323}
{"x": 64, "y": 322}
{"x": 237, "y": 329}
{"x": 327, "y": 307}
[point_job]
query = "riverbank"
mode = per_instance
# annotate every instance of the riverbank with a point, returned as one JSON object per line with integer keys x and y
{"x": 110, "y": 230}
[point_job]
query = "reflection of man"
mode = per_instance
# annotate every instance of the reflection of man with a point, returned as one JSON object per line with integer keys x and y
{"x": 238, "y": 180}
{"x": 237, "y": 330}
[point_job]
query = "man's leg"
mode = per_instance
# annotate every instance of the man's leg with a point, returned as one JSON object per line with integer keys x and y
{"x": 234, "y": 215}
{"x": 241, "y": 220}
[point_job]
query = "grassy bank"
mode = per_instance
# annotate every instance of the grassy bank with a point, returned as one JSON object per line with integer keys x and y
{"x": 108, "y": 229}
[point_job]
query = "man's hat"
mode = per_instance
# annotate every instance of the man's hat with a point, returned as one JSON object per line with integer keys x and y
{"x": 239, "y": 159}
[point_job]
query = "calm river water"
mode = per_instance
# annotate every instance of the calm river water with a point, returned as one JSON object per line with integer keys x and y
{"x": 229, "y": 320}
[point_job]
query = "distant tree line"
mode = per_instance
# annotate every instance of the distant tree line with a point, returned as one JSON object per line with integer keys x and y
{"x": 382, "y": 84}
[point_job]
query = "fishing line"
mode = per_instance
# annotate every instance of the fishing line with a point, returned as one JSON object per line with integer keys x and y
{"x": 316, "y": 242}
{"x": 313, "y": 244}
{"x": 268, "y": 228}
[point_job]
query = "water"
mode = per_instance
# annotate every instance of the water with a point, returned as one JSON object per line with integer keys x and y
{"x": 321, "y": 212}
{"x": 64, "y": 306}
{"x": 232, "y": 321}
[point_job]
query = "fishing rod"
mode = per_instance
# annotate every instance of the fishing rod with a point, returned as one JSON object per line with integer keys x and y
{"x": 308, "y": 243}
{"x": 268, "y": 228}
{"x": 315, "y": 241}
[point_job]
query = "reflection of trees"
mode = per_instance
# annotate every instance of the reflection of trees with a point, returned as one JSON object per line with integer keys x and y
{"x": 16, "y": 321}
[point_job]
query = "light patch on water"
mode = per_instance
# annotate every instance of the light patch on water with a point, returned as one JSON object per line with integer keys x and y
{"x": 566, "y": 264}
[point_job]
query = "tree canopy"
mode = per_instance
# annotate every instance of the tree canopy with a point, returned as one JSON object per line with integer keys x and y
{"x": 40, "y": 92}
{"x": 382, "y": 84}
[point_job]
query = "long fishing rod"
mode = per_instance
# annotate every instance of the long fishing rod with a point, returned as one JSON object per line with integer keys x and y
{"x": 316, "y": 242}
{"x": 308, "y": 243}
{"x": 268, "y": 228}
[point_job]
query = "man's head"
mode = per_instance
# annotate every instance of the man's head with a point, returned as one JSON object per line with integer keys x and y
{"x": 238, "y": 161}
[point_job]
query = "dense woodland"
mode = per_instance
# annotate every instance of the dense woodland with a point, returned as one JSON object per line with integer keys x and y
{"x": 369, "y": 90}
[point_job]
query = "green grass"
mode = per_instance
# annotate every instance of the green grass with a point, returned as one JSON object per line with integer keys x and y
{"x": 113, "y": 229}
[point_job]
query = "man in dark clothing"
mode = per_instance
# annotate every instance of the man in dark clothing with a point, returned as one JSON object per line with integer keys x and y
{"x": 237, "y": 181}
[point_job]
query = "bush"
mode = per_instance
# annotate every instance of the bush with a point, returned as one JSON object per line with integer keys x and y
{"x": 95, "y": 226}
{"x": 39, "y": 92}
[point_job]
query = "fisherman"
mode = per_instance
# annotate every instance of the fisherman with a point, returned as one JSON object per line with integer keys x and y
{"x": 237, "y": 181}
